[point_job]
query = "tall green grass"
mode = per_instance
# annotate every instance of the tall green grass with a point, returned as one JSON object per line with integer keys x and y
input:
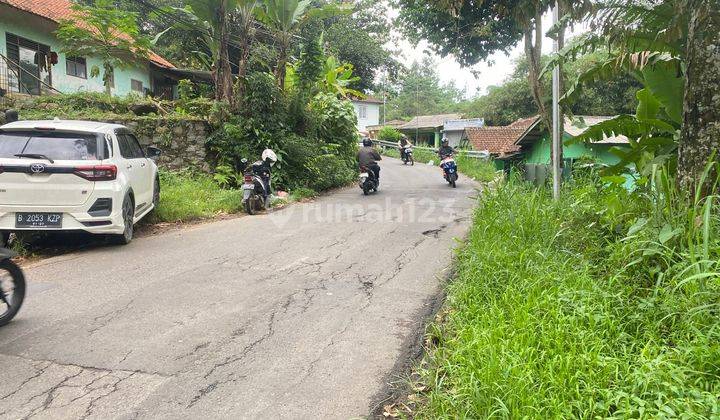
{"x": 603, "y": 304}
{"x": 186, "y": 196}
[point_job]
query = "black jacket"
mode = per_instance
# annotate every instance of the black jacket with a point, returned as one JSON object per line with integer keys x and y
{"x": 367, "y": 156}
{"x": 445, "y": 151}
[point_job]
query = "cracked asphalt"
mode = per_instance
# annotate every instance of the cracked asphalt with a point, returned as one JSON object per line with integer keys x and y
{"x": 306, "y": 312}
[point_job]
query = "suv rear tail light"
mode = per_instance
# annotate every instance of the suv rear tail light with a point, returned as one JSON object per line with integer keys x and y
{"x": 96, "y": 172}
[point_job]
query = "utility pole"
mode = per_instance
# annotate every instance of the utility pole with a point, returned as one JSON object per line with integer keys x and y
{"x": 556, "y": 115}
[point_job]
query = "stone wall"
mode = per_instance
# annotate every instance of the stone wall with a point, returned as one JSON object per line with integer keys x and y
{"x": 182, "y": 141}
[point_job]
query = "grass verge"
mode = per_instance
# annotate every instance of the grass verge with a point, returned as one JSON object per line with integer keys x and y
{"x": 567, "y": 309}
{"x": 186, "y": 196}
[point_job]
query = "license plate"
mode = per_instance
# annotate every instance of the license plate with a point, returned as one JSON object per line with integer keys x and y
{"x": 363, "y": 175}
{"x": 38, "y": 220}
{"x": 248, "y": 186}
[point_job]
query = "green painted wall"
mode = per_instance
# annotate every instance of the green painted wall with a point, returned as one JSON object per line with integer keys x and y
{"x": 40, "y": 30}
{"x": 540, "y": 151}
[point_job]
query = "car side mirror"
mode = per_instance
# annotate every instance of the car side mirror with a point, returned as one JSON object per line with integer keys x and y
{"x": 153, "y": 152}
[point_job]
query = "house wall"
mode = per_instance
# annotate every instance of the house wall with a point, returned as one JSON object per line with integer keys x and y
{"x": 454, "y": 137}
{"x": 372, "y": 114}
{"x": 40, "y": 30}
{"x": 540, "y": 152}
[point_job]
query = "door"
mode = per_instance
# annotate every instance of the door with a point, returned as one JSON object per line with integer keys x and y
{"x": 144, "y": 170}
{"x": 132, "y": 165}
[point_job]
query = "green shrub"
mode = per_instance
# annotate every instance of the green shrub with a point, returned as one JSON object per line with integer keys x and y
{"x": 328, "y": 171}
{"x": 389, "y": 134}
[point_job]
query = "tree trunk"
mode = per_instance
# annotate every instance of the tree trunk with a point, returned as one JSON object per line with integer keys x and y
{"x": 533, "y": 52}
{"x": 247, "y": 37}
{"x": 700, "y": 135}
{"x": 281, "y": 69}
{"x": 223, "y": 73}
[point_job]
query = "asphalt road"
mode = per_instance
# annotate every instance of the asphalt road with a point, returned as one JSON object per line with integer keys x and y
{"x": 308, "y": 312}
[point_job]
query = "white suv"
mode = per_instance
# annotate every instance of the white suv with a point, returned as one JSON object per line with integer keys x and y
{"x": 75, "y": 175}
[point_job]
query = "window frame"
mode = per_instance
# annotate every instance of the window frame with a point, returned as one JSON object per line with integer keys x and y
{"x": 133, "y": 83}
{"x": 362, "y": 111}
{"x": 74, "y": 63}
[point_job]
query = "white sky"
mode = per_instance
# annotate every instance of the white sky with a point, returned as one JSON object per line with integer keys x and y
{"x": 489, "y": 74}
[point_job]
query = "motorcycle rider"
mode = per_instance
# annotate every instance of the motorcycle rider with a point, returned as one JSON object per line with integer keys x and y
{"x": 404, "y": 141}
{"x": 264, "y": 168}
{"x": 445, "y": 149}
{"x": 368, "y": 157}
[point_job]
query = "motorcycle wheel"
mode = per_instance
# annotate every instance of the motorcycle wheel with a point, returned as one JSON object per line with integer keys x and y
{"x": 250, "y": 206}
{"x": 366, "y": 190}
{"x": 12, "y": 290}
{"x": 412, "y": 161}
{"x": 453, "y": 184}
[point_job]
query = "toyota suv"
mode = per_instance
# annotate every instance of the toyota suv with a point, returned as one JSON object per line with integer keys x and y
{"x": 75, "y": 175}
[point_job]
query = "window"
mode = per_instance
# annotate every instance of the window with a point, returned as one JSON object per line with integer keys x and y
{"x": 136, "y": 85}
{"x": 58, "y": 146}
{"x": 29, "y": 69}
{"x": 129, "y": 146}
{"x": 362, "y": 112}
{"x": 76, "y": 66}
{"x": 135, "y": 146}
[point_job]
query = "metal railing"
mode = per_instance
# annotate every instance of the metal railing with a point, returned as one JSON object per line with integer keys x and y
{"x": 11, "y": 80}
{"x": 477, "y": 154}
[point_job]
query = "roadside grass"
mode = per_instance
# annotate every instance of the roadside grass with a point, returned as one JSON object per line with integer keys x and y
{"x": 186, "y": 196}
{"x": 555, "y": 312}
{"x": 479, "y": 169}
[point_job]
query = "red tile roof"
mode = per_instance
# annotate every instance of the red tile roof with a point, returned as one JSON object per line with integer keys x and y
{"x": 57, "y": 10}
{"x": 495, "y": 140}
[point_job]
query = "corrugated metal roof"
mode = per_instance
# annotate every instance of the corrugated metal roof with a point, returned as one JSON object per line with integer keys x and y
{"x": 429, "y": 121}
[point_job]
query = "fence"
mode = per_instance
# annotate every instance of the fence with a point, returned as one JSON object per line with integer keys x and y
{"x": 477, "y": 154}
{"x": 15, "y": 79}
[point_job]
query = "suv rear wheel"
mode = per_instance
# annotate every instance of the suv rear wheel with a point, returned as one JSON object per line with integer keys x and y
{"x": 128, "y": 215}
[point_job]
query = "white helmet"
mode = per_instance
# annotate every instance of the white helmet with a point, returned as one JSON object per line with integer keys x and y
{"x": 269, "y": 154}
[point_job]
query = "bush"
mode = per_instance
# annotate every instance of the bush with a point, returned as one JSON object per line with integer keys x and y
{"x": 328, "y": 171}
{"x": 389, "y": 134}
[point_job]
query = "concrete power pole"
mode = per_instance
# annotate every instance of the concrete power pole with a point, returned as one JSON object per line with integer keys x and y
{"x": 556, "y": 114}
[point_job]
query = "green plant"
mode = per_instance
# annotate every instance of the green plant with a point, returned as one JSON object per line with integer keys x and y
{"x": 389, "y": 134}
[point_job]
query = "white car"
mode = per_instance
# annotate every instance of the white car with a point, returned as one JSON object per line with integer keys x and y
{"x": 75, "y": 175}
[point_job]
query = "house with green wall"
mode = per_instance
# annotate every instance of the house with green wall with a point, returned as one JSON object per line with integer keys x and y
{"x": 526, "y": 144}
{"x": 31, "y": 61}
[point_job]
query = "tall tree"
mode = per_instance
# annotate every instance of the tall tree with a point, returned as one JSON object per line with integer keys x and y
{"x": 420, "y": 92}
{"x": 284, "y": 18}
{"x": 701, "y": 122}
{"x": 105, "y": 32}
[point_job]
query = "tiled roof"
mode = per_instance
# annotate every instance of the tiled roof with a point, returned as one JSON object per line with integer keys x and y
{"x": 429, "y": 121}
{"x": 525, "y": 122}
{"x": 57, "y": 10}
{"x": 495, "y": 140}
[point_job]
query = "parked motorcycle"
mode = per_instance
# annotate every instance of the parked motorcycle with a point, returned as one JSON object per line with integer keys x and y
{"x": 367, "y": 181}
{"x": 255, "y": 195}
{"x": 449, "y": 170}
{"x": 12, "y": 287}
{"x": 407, "y": 155}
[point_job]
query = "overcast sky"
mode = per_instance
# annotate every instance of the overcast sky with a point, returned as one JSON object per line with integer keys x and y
{"x": 489, "y": 74}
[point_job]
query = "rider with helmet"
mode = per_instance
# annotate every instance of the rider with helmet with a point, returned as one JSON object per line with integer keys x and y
{"x": 263, "y": 167}
{"x": 445, "y": 149}
{"x": 368, "y": 157}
